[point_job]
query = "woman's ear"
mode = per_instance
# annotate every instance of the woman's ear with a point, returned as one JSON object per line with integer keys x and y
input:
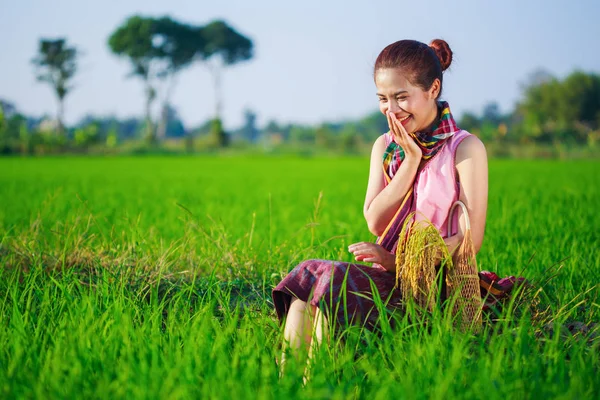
{"x": 434, "y": 90}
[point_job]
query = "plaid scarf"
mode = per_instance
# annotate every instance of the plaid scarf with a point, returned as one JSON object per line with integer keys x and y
{"x": 430, "y": 141}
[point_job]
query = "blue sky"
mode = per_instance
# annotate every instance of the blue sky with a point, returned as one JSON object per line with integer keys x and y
{"x": 313, "y": 59}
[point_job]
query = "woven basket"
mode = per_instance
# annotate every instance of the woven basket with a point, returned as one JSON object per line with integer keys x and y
{"x": 462, "y": 279}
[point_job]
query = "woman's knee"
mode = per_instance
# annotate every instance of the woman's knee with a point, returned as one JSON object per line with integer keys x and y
{"x": 297, "y": 305}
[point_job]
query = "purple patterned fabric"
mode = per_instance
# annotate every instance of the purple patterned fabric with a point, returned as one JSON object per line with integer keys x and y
{"x": 494, "y": 289}
{"x": 332, "y": 284}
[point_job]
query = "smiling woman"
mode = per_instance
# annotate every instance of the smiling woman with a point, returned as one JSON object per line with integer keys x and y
{"x": 421, "y": 167}
{"x": 408, "y": 94}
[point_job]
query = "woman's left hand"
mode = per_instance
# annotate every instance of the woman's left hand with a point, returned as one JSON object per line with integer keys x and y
{"x": 373, "y": 253}
{"x": 407, "y": 142}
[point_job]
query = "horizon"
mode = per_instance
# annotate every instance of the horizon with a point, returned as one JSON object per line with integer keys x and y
{"x": 299, "y": 75}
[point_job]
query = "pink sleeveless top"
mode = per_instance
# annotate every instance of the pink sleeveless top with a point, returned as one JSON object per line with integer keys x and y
{"x": 436, "y": 187}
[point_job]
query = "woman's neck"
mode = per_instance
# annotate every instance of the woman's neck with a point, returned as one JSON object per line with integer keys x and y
{"x": 433, "y": 120}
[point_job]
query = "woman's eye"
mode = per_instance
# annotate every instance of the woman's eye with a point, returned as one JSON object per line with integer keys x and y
{"x": 381, "y": 99}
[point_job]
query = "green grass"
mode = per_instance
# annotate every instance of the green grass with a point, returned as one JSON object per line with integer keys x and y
{"x": 150, "y": 277}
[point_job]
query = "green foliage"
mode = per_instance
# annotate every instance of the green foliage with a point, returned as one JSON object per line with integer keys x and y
{"x": 56, "y": 65}
{"x": 112, "y": 138}
{"x": 300, "y": 134}
{"x": 25, "y": 139}
{"x": 9, "y": 133}
{"x": 220, "y": 137}
{"x": 566, "y": 110}
{"x": 3, "y": 131}
{"x": 249, "y": 131}
{"x": 469, "y": 121}
{"x": 86, "y": 135}
{"x": 223, "y": 41}
{"x": 152, "y": 276}
{"x": 159, "y": 48}
{"x": 223, "y": 46}
{"x": 553, "y": 116}
{"x": 133, "y": 40}
{"x": 177, "y": 43}
{"x": 371, "y": 126}
{"x": 324, "y": 137}
{"x": 349, "y": 140}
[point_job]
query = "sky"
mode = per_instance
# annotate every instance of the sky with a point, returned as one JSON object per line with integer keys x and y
{"x": 313, "y": 59}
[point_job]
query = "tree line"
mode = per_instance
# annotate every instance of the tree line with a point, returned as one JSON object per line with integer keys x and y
{"x": 549, "y": 111}
{"x": 157, "y": 49}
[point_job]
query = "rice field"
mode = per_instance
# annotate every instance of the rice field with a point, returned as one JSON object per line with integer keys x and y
{"x": 150, "y": 277}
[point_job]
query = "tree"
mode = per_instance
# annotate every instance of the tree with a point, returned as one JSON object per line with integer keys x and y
{"x": 537, "y": 78}
{"x": 249, "y": 130}
{"x": 14, "y": 129}
{"x": 491, "y": 113}
{"x": 173, "y": 125}
{"x": 565, "y": 110}
{"x": 177, "y": 46}
{"x": 112, "y": 137}
{"x": 581, "y": 94}
{"x": 324, "y": 137}
{"x": 56, "y": 64}
{"x": 3, "y": 144}
{"x": 134, "y": 40}
{"x": 223, "y": 46}
{"x": 25, "y": 141}
{"x": 86, "y": 135}
{"x": 8, "y": 108}
{"x": 302, "y": 135}
{"x": 349, "y": 138}
{"x": 469, "y": 122}
{"x": 371, "y": 126}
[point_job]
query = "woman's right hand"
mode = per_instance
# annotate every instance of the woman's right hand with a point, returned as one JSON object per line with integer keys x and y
{"x": 412, "y": 151}
{"x": 373, "y": 253}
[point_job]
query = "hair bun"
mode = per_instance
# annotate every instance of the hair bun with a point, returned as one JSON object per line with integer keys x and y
{"x": 442, "y": 50}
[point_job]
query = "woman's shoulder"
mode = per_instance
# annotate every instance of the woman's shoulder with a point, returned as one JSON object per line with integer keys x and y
{"x": 470, "y": 147}
{"x": 381, "y": 143}
{"x": 384, "y": 138}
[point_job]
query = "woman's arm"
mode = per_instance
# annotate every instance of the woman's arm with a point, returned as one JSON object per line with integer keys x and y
{"x": 472, "y": 167}
{"x": 382, "y": 203}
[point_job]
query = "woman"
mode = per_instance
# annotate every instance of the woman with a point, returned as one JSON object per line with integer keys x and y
{"x": 428, "y": 164}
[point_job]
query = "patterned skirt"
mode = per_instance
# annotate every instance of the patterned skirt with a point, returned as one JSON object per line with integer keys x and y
{"x": 343, "y": 291}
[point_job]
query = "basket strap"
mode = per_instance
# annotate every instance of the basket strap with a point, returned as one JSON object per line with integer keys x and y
{"x": 451, "y": 215}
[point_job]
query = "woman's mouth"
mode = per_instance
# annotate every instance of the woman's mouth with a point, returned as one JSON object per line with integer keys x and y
{"x": 405, "y": 120}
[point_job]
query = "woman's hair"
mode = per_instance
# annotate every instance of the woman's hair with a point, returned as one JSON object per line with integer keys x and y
{"x": 421, "y": 63}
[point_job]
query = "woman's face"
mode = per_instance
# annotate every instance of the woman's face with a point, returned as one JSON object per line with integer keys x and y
{"x": 413, "y": 106}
